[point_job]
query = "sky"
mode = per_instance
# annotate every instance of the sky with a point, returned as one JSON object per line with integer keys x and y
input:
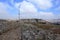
{"x": 29, "y": 9}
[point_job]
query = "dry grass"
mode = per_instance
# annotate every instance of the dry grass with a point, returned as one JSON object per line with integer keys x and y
{"x": 13, "y": 24}
{"x": 45, "y": 26}
{"x": 9, "y": 26}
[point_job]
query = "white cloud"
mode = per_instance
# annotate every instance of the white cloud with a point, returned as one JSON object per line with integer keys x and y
{"x": 46, "y": 15}
{"x": 28, "y": 10}
{"x": 4, "y": 13}
{"x": 42, "y": 4}
{"x": 3, "y": 8}
{"x": 28, "y": 7}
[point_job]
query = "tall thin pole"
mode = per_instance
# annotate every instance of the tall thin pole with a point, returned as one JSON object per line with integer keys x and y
{"x": 19, "y": 23}
{"x": 19, "y": 13}
{"x": 19, "y": 16}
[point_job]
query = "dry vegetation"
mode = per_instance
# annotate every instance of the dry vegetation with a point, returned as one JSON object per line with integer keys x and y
{"x": 13, "y": 28}
{"x": 7, "y": 26}
{"x": 14, "y": 24}
{"x": 44, "y": 26}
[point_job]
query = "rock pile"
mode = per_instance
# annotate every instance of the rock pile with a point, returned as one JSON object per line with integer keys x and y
{"x": 31, "y": 32}
{"x": 27, "y": 32}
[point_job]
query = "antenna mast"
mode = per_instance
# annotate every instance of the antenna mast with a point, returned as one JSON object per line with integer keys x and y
{"x": 19, "y": 23}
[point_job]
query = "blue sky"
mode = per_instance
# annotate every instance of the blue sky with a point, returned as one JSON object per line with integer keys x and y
{"x": 40, "y": 9}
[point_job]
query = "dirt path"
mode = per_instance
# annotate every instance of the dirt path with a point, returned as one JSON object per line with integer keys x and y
{"x": 13, "y": 34}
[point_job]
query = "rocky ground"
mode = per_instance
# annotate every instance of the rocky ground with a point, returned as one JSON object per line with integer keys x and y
{"x": 23, "y": 31}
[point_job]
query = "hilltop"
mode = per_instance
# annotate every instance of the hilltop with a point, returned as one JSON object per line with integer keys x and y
{"x": 28, "y": 29}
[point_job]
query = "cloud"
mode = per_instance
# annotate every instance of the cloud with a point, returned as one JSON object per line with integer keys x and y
{"x": 3, "y": 8}
{"x": 42, "y": 4}
{"x": 28, "y": 10}
{"x": 4, "y": 11}
{"x": 28, "y": 7}
{"x": 46, "y": 15}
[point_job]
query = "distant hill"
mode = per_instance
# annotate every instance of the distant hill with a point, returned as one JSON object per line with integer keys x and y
{"x": 55, "y": 21}
{"x": 35, "y": 21}
{"x": 2, "y": 20}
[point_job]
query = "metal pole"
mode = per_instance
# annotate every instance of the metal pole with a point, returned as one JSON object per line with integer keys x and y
{"x": 19, "y": 23}
{"x": 19, "y": 13}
